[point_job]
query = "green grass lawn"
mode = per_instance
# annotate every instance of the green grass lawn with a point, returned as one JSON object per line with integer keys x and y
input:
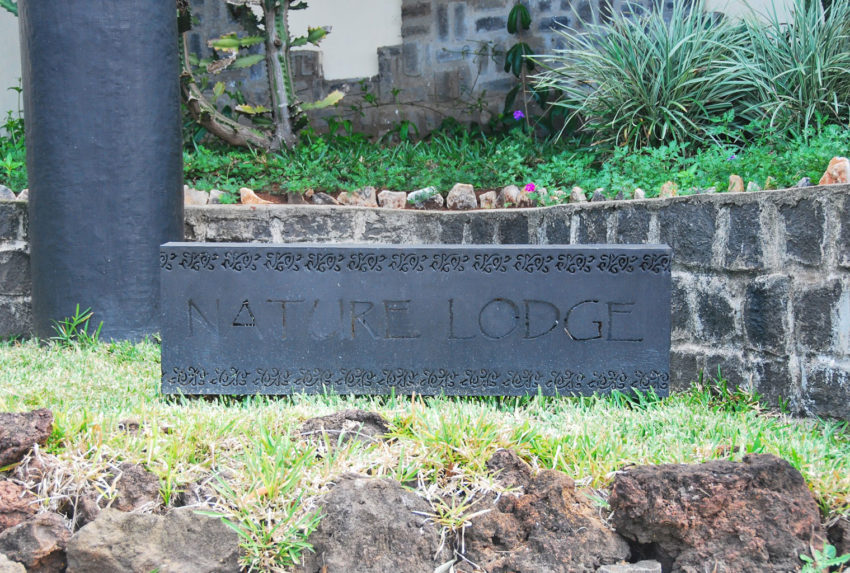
{"x": 272, "y": 477}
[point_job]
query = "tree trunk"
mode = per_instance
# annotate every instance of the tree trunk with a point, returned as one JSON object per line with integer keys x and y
{"x": 278, "y": 68}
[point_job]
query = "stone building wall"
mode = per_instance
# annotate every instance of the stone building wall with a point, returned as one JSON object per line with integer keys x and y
{"x": 761, "y": 281}
{"x": 449, "y": 64}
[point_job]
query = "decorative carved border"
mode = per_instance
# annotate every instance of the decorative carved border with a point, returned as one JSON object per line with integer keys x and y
{"x": 424, "y": 381}
{"x": 372, "y": 261}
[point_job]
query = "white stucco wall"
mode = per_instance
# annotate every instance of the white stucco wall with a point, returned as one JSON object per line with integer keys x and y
{"x": 358, "y": 29}
{"x": 10, "y": 62}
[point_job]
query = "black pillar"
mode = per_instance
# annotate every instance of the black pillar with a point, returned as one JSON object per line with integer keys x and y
{"x": 104, "y": 158}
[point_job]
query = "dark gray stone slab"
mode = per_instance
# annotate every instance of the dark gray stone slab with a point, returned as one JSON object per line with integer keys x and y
{"x": 459, "y": 320}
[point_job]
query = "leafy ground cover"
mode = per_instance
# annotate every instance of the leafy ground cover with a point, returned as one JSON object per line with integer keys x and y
{"x": 329, "y": 163}
{"x": 273, "y": 477}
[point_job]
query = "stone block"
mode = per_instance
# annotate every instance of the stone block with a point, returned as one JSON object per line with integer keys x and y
{"x": 410, "y": 59}
{"x": 743, "y": 249}
{"x": 775, "y": 380}
{"x": 827, "y": 391}
{"x": 557, "y": 229}
{"x": 443, "y": 22}
{"x": 689, "y": 228}
{"x": 815, "y": 312}
{"x": 235, "y": 228}
{"x": 490, "y": 23}
{"x": 15, "y": 317}
{"x": 451, "y": 230}
{"x": 489, "y": 4}
{"x": 415, "y": 9}
{"x": 460, "y": 21}
{"x": 15, "y": 273}
{"x": 482, "y": 230}
{"x": 729, "y": 366}
{"x": 684, "y": 369}
{"x": 804, "y": 231}
{"x": 513, "y": 230}
{"x": 633, "y": 225}
{"x": 408, "y": 32}
{"x": 680, "y": 310}
{"x": 554, "y": 23}
{"x": 765, "y": 313}
{"x": 593, "y": 226}
{"x": 844, "y": 235}
{"x": 10, "y": 220}
{"x": 718, "y": 315}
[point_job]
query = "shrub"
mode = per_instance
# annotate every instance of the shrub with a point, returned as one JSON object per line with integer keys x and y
{"x": 801, "y": 70}
{"x": 642, "y": 80}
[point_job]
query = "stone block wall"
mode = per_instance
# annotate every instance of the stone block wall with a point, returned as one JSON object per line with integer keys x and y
{"x": 761, "y": 281}
{"x": 15, "y": 283}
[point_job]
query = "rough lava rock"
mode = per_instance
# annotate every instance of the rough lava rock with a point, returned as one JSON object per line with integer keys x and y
{"x": 509, "y": 469}
{"x": 16, "y": 504}
{"x": 135, "y": 487}
{"x": 180, "y": 541}
{"x": 839, "y": 536}
{"x": 549, "y": 528}
{"x": 194, "y": 196}
{"x": 578, "y": 195}
{"x": 838, "y": 171}
{"x": 392, "y": 199}
{"x": 511, "y": 196}
{"x": 7, "y": 566}
{"x": 753, "y": 516}
{"x": 374, "y": 526}
{"x": 461, "y": 197}
{"x": 248, "y": 197}
{"x": 19, "y": 432}
{"x": 6, "y": 194}
{"x": 365, "y": 197}
{"x": 488, "y": 200}
{"x": 38, "y": 543}
{"x": 736, "y": 184}
{"x": 320, "y": 198}
{"x": 340, "y": 427}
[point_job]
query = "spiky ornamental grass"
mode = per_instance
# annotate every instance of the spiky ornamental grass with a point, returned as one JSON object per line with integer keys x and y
{"x": 801, "y": 68}
{"x": 649, "y": 78}
{"x": 269, "y": 478}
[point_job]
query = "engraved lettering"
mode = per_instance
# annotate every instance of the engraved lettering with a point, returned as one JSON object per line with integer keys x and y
{"x": 322, "y": 316}
{"x": 245, "y": 316}
{"x": 200, "y": 317}
{"x": 283, "y": 303}
{"x": 452, "y": 335}
{"x": 358, "y": 317}
{"x": 493, "y": 315}
{"x": 618, "y": 308}
{"x": 398, "y": 326}
{"x": 570, "y": 331}
{"x": 533, "y": 311}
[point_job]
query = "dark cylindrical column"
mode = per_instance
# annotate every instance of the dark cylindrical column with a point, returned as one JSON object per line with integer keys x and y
{"x": 102, "y": 112}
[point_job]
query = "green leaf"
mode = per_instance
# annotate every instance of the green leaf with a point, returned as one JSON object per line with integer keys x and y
{"x": 331, "y": 99}
{"x": 218, "y": 89}
{"x": 251, "y": 109}
{"x": 248, "y": 61}
{"x": 316, "y": 35}
{"x": 518, "y": 18}
{"x": 231, "y": 43}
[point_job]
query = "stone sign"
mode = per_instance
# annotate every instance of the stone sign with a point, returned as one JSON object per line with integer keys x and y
{"x": 459, "y": 320}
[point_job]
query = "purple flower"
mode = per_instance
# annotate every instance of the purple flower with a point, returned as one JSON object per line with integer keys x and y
{"x": 529, "y": 187}
{"x": 518, "y": 115}
{"x": 732, "y": 157}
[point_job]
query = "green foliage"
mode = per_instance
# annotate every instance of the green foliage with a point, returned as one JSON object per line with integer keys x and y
{"x": 13, "y": 172}
{"x": 801, "y": 68}
{"x": 823, "y": 560}
{"x": 73, "y": 331}
{"x": 344, "y": 161}
{"x": 10, "y": 6}
{"x": 646, "y": 79}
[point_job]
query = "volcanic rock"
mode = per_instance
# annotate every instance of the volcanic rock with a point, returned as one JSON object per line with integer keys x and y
{"x": 744, "y": 517}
